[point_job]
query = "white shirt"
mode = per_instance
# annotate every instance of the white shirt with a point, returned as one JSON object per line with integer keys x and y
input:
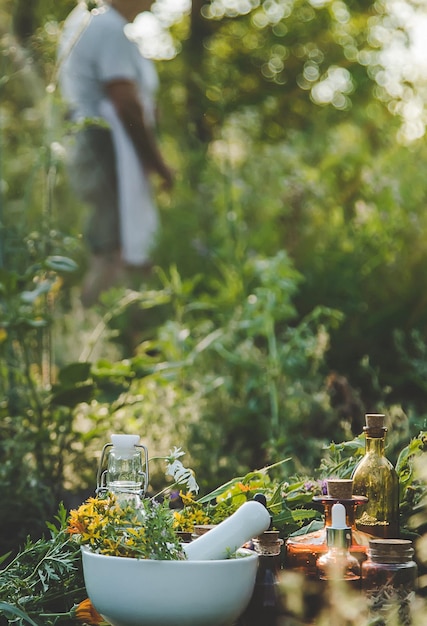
{"x": 95, "y": 50}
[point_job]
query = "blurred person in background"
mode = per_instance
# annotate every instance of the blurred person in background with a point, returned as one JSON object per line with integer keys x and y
{"x": 109, "y": 89}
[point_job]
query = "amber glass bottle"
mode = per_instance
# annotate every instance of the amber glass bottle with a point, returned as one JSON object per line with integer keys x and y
{"x": 338, "y": 563}
{"x": 302, "y": 551}
{"x": 376, "y": 478}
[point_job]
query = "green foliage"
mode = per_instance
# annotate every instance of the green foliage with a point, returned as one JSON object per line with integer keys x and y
{"x": 44, "y": 580}
{"x": 341, "y": 459}
{"x": 286, "y": 502}
{"x": 32, "y": 435}
{"x": 353, "y": 226}
{"x": 292, "y": 247}
{"x": 43, "y": 583}
{"x": 286, "y": 66}
{"x": 244, "y": 364}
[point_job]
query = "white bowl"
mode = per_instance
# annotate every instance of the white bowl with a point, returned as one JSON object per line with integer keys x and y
{"x": 133, "y": 592}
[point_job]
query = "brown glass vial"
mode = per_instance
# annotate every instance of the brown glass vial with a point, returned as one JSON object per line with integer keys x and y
{"x": 265, "y": 607}
{"x": 389, "y": 580}
{"x": 302, "y": 551}
{"x": 376, "y": 478}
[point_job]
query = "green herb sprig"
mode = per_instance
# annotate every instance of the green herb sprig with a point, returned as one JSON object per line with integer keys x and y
{"x": 44, "y": 581}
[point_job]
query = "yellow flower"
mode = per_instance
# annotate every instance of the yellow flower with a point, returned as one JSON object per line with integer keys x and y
{"x": 75, "y": 527}
{"x": 200, "y": 518}
{"x": 185, "y": 519}
{"x": 187, "y": 498}
{"x": 107, "y": 528}
{"x": 87, "y": 614}
{"x": 243, "y": 487}
{"x": 180, "y": 522}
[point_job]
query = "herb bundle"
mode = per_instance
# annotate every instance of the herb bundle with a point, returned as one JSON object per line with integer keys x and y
{"x": 44, "y": 582}
{"x": 114, "y": 528}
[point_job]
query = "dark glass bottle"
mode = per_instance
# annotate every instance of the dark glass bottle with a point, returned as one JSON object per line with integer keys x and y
{"x": 376, "y": 478}
{"x": 389, "y": 578}
{"x": 265, "y": 606}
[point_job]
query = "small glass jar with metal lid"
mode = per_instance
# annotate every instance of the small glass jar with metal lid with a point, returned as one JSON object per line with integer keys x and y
{"x": 389, "y": 579}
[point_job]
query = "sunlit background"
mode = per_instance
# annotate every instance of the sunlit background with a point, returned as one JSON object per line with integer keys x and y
{"x": 402, "y": 59}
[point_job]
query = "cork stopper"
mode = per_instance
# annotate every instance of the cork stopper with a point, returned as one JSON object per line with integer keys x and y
{"x": 201, "y": 529}
{"x": 340, "y": 488}
{"x": 391, "y": 550}
{"x": 375, "y": 420}
{"x": 268, "y": 543}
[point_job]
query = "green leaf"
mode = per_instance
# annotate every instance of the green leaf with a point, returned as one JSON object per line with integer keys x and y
{"x": 60, "y": 264}
{"x": 308, "y": 528}
{"x": 4, "y": 557}
{"x": 13, "y": 610}
{"x": 74, "y": 373}
{"x": 288, "y": 516}
{"x": 299, "y": 497}
{"x": 73, "y": 396}
{"x": 106, "y": 369}
{"x": 220, "y": 490}
{"x": 415, "y": 446}
{"x": 29, "y": 297}
{"x": 261, "y": 473}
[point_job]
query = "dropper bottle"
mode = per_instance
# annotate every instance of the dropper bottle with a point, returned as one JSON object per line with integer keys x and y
{"x": 303, "y": 550}
{"x": 338, "y": 563}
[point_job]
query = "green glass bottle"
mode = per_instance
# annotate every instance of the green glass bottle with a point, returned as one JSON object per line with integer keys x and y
{"x": 376, "y": 478}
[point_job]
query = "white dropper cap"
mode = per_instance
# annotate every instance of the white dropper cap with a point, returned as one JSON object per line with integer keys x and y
{"x": 338, "y": 516}
{"x": 338, "y": 534}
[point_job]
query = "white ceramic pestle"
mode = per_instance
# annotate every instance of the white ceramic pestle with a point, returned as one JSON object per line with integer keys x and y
{"x": 250, "y": 520}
